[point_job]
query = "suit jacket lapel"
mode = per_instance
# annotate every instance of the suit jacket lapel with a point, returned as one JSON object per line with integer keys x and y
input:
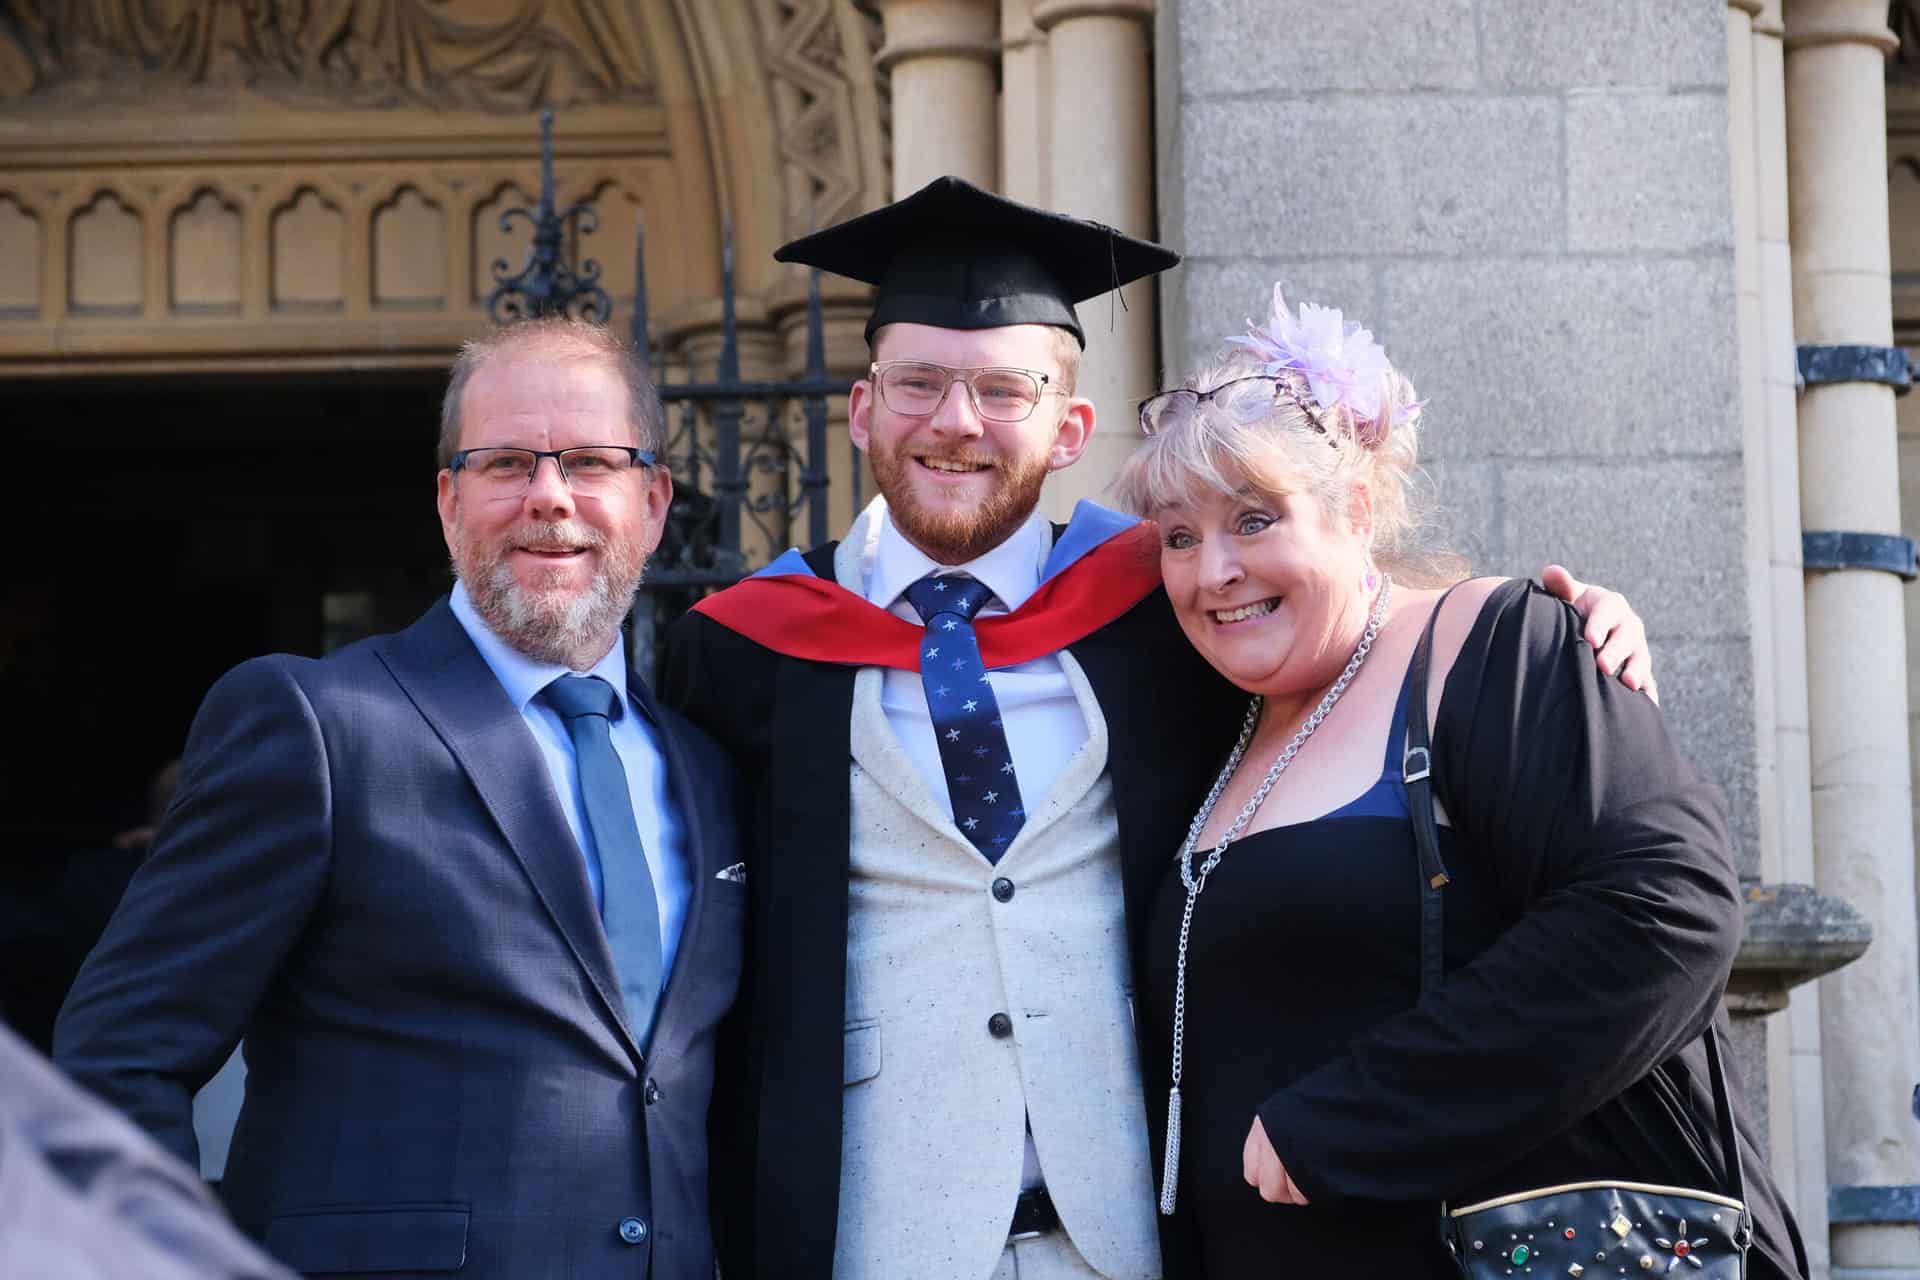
{"x": 1083, "y": 768}
{"x": 877, "y": 750}
{"x": 693, "y": 826}
{"x": 1168, "y": 735}
{"x": 456, "y": 692}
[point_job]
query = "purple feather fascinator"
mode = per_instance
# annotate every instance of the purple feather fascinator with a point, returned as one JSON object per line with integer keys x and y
{"x": 1343, "y": 366}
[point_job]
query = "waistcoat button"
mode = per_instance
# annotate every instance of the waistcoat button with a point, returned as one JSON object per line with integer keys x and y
{"x": 1003, "y": 889}
{"x": 632, "y": 1230}
{"x": 999, "y": 1026}
{"x": 651, "y": 1093}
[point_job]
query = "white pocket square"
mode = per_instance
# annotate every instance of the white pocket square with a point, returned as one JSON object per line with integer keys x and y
{"x": 737, "y": 873}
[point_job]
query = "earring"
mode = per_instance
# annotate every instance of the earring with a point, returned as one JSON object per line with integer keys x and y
{"x": 1371, "y": 581}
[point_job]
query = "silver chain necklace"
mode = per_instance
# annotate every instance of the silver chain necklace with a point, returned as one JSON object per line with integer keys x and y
{"x": 1196, "y": 879}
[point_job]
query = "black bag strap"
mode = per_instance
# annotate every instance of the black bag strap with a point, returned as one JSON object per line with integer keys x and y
{"x": 1417, "y": 771}
{"x": 1723, "y": 1116}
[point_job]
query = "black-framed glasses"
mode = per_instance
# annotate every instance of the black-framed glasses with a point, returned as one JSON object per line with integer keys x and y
{"x": 1244, "y": 401}
{"x": 916, "y": 388}
{"x": 585, "y": 469}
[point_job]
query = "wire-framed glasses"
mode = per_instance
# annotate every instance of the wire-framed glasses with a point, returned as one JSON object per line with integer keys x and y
{"x": 586, "y": 469}
{"x": 916, "y": 388}
{"x": 1244, "y": 401}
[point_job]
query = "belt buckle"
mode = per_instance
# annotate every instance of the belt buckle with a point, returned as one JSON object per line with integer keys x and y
{"x": 1034, "y": 1204}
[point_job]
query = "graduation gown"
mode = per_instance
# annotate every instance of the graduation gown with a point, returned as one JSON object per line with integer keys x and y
{"x": 777, "y": 1110}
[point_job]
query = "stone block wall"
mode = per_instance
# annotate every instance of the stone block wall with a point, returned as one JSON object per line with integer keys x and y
{"x": 1530, "y": 205}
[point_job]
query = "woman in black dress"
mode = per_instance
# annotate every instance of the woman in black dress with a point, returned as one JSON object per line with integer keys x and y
{"x": 1326, "y": 1108}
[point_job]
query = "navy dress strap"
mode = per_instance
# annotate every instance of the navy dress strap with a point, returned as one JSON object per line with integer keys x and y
{"x": 1387, "y": 797}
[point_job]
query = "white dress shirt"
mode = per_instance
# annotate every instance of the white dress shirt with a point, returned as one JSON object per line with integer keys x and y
{"x": 1041, "y": 717}
{"x": 635, "y": 741}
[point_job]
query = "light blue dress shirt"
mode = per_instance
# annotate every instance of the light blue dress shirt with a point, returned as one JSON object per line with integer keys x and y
{"x": 636, "y": 741}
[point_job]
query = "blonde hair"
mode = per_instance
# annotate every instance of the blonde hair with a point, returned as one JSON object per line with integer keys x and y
{"x": 1298, "y": 446}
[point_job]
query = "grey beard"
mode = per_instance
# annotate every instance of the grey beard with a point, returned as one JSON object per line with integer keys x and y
{"x": 574, "y": 632}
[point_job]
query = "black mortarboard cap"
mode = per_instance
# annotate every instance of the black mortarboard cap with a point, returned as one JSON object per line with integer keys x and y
{"x": 958, "y": 257}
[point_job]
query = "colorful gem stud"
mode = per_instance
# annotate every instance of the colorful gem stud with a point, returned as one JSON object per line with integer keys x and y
{"x": 1682, "y": 1248}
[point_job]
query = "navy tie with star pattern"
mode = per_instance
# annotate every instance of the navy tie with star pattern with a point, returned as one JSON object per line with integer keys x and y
{"x": 966, "y": 718}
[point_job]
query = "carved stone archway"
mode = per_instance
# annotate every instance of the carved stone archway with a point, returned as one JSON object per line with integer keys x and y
{"x": 192, "y": 185}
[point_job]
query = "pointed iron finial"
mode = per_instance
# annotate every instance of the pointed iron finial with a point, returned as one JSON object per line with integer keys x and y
{"x": 548, "y": 284}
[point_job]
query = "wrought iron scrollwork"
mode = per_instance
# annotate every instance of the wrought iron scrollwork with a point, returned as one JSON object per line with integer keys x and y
{"x": 1903, "y": 17}
{"x": 731, "y": 445}
{"x": 734, "y": 448}
{"x": 731, "y": 442}
{"x": 549, "y": 284}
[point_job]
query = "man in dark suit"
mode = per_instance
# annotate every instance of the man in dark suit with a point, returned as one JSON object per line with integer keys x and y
{"x": 471, "y": 896}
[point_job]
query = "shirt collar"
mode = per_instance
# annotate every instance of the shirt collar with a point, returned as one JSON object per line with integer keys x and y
{"x": 522, "y": 677}
{"x": 1011, "y": 570}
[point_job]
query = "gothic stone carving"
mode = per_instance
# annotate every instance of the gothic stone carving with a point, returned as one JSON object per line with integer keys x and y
{"x": 825, "y": 103}
{"x": 499, "y": 55}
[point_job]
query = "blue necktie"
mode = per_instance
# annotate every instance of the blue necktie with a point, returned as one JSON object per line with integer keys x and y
{"x": 628, "y": 910}
{"x": 966, "y": 718}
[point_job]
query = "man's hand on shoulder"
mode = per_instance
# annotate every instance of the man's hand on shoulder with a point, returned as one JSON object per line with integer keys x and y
{"x": 1616, "y": 632}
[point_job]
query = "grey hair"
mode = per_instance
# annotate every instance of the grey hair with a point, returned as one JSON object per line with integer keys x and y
{"x": 1299, "y": 446}
{"x": 560, "y": 337}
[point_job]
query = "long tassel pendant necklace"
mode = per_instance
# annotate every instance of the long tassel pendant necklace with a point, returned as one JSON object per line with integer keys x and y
{"x": 1195, "y": 879}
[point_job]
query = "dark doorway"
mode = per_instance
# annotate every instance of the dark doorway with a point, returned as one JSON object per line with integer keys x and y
{"x": 167, "y": 529}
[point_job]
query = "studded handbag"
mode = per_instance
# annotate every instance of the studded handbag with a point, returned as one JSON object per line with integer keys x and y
{"x": 1598, "y": 1228}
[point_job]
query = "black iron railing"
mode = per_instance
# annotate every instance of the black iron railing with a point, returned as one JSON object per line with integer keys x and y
{"x": 745, "y": 455}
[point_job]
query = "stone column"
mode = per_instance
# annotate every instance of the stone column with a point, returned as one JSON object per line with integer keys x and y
{"x": 1796, "y": 1088}
{"x": 942, "y": 56}
{"x": 1757, "y": 460}
{"x": 1101, "y": 161}
{"x": 1026, "y": 172}
{"x": 1856, "y": 637}
{"x": 1750, "y": 325}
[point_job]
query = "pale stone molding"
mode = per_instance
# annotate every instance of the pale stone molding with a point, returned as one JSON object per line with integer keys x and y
{"x": 304, "y": 248}
{"x": 985, "y": 49}
{"x": 1812, "y": 23}
{"x": 1048, "y": 14}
